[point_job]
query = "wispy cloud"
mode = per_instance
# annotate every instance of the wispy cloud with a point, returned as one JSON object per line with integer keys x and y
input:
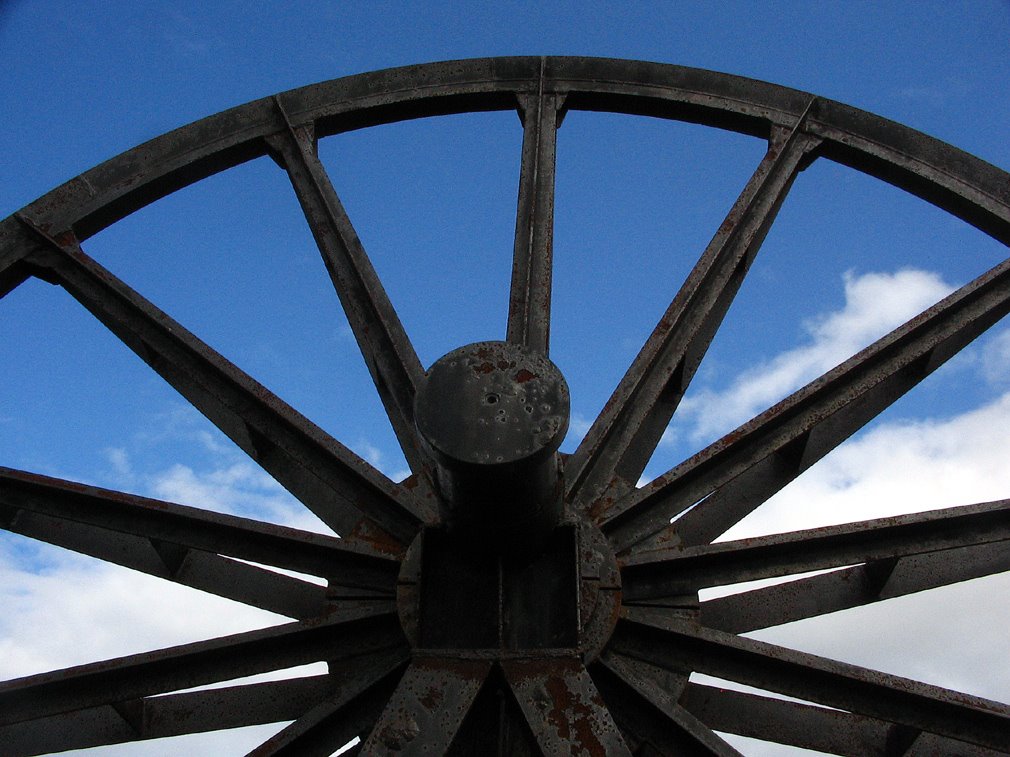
{"x": 875, "y": 303}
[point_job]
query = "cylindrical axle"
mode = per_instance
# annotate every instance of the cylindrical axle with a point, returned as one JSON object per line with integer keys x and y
{"x": 492, "y": 417}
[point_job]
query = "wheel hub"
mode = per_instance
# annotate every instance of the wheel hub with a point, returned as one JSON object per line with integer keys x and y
{"x": 515, "y": 573}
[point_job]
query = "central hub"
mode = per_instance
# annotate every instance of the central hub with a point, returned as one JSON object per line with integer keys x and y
{"x": 492, "y": 417}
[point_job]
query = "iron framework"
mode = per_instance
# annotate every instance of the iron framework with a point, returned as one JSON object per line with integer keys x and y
{"x": 603, "y": 667}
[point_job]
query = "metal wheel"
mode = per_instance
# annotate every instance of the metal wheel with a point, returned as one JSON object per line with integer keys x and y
{"x": 506, "y": 598}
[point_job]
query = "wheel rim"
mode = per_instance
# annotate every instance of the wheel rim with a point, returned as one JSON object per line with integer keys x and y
{"x": 626, "y": 688}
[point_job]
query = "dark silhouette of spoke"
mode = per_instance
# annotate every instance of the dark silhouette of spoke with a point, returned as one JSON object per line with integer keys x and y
{"x": 15, "y": 239}
{"x": 388, "y": 353}
{"x": 816, "y": 728}
{"x": 174, "y": 529}
{"x": 327, "y": 477}
{"x": 671, "y": 571}
{"x": 624, "y": 436}
{"x": 880, "y": 579}
{"x": 816, "y": 679}
{"x": 208, "y": 572}
{"x": 167, "y": 715}
{"x": 350, "y": 709}
{"x": 349, "y": 632}
{"x": 642, "y": 706}
{"x": 730, "y": 478}
{"x": 555, "y": 694}
{"x": 428, "y": 707}
{"x": 529, "y": 318}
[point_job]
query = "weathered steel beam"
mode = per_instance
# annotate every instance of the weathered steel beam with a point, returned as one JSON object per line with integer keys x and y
{"x": 349, "y": 632}
{"x": 676, "y": 570}
{"x": 817, "y": 728}
{"x": 191, "y": 528}
{"x": 816, "y": 679}
{"x": 625, "y": 434}
{"x": 731, "y": 477}
{"x": 859, "y": 585}
{"x": 324, "y": 475}
{"x": 563, "y": 708}
{"x": 166, "y": 715}
{"x": 428, "y": 706}
{"x": 529, "y": 317}
{"x": 641, "y": 705}
{"x": 201, "y": 570}
{"x": 350, "y": 709}
{"x": 389, "y": 355}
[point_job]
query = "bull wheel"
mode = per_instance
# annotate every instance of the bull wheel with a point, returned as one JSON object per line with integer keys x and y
{"x": 506, "y": 598}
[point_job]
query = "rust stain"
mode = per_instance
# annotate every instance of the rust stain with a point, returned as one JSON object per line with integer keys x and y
{"x": 524, "y": 375}
{"x": 431, "y": 698}
{"x": 485, "y": 367}
{"x": 376, "y": 538}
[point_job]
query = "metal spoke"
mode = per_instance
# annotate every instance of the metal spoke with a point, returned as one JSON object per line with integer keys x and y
{"x": 562, "y": 707}
{"x": 818, "y": 679}
{"x": 624, "y": 436}
{"x": 167, "y": 715}
{"x": 428, "y": 707}
{"x": 529, "y": 318}
{"x": 642, "y": 705}
{"x": 345, "y": 633}
{"x": 816, "y": 728}
{"x": 743, "y": 469}
{"x": 388, "y": 353}
{"x": 212, "y": 573}
{"x": 341, "y": 715}
{"x": 672, "y": 571}
{"x": 187, "y": 528}
{"x": 327, "y": 477}
{"x": 14, "y": 238}
{"x": 859, "y": 585}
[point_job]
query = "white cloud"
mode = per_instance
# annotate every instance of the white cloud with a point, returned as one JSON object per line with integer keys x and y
{"x": 897, "y": 468}
{"x": 875, "y": 303}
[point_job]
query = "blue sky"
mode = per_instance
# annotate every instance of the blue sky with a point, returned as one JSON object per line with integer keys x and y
{"x": 434, "y": 203}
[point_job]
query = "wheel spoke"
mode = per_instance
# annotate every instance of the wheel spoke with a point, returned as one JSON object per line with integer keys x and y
{"x": 624, "y": 436}
{"x": 14, "y": 239}
{"x": 327, "y": 477}
{"x": 189, "y": 567}
{"x": 816, "y": 728}
{"x": 853, "y": 587}
{"x": 817, "y": 679}
{"x": 743, "y": 469}
{"x": 428, "y": 707}
{"x": 341, "y": 715}
{"x": 345, "y": 633}
{"x": 388, "y": 353}
{"x": 642, "y": 705}
{"x": 529, "y": 318}
{"x": 648, "y": 575}
{"x": 168, "y": 525}
{"x": 562, "y": 707}
{"x": 167, "y": 715}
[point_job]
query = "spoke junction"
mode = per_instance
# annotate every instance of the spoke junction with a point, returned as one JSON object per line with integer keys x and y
{"x": 328, "y": 478}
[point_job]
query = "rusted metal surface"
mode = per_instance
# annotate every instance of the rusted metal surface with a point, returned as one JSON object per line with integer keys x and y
{"x": 847, "y": 687}
{"x": 673, "y": 570}
{"x": 564, "y": 710}
{"x": 388, "y": 353}
{"x": 505, "y": 599}
{"x": 529, "y": 318}
{"x": 428, "y": 707}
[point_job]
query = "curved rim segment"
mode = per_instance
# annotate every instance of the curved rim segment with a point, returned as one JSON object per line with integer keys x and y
{"x": 952, "y": 179}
